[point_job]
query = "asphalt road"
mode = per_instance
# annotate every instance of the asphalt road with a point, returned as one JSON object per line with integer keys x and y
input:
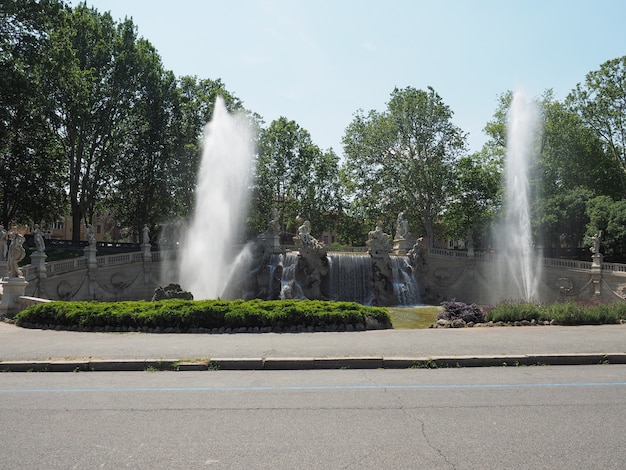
{"x": 487, "y": 418}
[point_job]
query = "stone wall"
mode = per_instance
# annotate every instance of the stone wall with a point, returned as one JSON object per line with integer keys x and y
{"x": 446, "y": 275}
{"x": 130, "y": 276}
{"x": 441, "y": 275}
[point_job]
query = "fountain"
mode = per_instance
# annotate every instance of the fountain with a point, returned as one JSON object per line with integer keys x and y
{"x": 519, "y": 264}
{"x": 221, "y": 201}
{"x": 262, "y": 270}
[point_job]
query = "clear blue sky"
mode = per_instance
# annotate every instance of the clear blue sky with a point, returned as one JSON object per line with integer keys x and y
{"x": 318, "y": 61}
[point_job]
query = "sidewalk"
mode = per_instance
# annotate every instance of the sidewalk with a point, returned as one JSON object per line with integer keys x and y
{"x": 25, "y": 349}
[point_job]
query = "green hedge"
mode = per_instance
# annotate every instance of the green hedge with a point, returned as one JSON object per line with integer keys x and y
{"x": 561, "y": 313}
{"x": 186, "y": 315}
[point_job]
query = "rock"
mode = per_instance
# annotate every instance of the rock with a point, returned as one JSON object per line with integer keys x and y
{"x": 171, "y": 291}
{"x": 458, "y": 323}
{"x": 371, "y": 323}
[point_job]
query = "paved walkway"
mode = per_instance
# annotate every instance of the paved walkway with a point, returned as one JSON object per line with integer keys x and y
{"x": 28, "y": 349}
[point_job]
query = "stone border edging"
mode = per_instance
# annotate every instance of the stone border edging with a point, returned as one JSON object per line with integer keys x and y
{"x": 313, "y": 363}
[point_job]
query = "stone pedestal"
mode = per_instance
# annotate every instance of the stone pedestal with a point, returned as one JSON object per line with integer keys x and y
{"x": 270, "y": 242}
{"x": 401, "y": 246}
{"x": 90, "y": 254}
{"x": 147, "y": 261}
{"x": 12, "y": 289}
{"x": 596, "y": 272}
{"x": 145, "y": 249}
{"x": 38, "y": 259}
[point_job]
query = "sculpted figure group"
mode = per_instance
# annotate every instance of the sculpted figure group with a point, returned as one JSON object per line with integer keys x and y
{"x": 12, "y": 251}
{"x": 15, "y": 254}
{"x": 305, "y": 239}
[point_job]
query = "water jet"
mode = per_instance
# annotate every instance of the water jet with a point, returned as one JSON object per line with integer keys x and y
{"x": 519, "y": 262}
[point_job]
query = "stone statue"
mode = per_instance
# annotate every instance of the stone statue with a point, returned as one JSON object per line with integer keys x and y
{"x": 3, "y": 243}
{"x": 91, "y": 236}
{"x": 378, "y": 242}
{"x": 378, "y": 247}
{"x": 146, "y": 234}
{"x": 305, "y": 239}
{"x": 16, "y": 254}
{"x": 312, "y": 264}
{"x": 40, "y": 245}
{"x": 402, "y": 227}
{"x": 416, "y": 254}
{"x": 596, "y": 239}
{"x": 273, "y": 226}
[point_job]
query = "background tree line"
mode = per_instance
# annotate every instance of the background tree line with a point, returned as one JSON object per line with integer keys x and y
{"x": 92, "y": 123}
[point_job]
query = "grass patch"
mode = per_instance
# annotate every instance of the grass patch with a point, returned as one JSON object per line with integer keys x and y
{"x": 403, "y": 318}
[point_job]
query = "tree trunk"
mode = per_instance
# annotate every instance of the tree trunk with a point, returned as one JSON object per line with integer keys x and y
{"x": 77, "y": 219}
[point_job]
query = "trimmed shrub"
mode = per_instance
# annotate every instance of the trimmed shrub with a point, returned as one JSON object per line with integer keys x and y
{"x": 188, "y": 315}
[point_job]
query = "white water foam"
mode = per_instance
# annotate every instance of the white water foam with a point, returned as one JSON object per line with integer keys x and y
{"x": 221, "y": 201}
{"x": 520, "y": 266}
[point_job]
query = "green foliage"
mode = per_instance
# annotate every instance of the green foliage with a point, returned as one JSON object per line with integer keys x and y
{"x": 511, "y": 311}
{"x": 563, "y": 220}
{"x": 209, "y": 314}
{"x": 91, "y": 122}
{"x": 572, "y": 154}
{"x": 476, "y": 198}
{"x": 561, "y": 313}
{"x": 32, "y": 171}
{"x": 402, "y": 160}
{"x": 600, "y": 103}
{"x": 294, "y": 176}
{"x": 573, "y": 168}
{"x": 609, "y": 217}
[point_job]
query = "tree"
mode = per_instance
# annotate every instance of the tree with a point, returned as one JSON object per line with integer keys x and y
{"x": 403, "y": 159}
{"x": 296, "y": 177}
{"x": 563, "y": 219}
{"x": 573, "y": 168}
{"x": 31, "y": 171}
{"x": 572, "y": 154}
{"x": 608, "y": 217}
{"x": 143, "y": 188}
{"x": 600, "y": 103}
{"x": 94, "y": 57}
{"x": 476, "y": 198}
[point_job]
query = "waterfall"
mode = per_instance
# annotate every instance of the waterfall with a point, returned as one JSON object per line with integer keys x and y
{"x": 289, "y": 288}
{"x": 405, "y": 286}
{"x": 350, "y": 277}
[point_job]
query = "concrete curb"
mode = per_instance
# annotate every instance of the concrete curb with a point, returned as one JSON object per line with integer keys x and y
{"x": 304, "y": 363}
